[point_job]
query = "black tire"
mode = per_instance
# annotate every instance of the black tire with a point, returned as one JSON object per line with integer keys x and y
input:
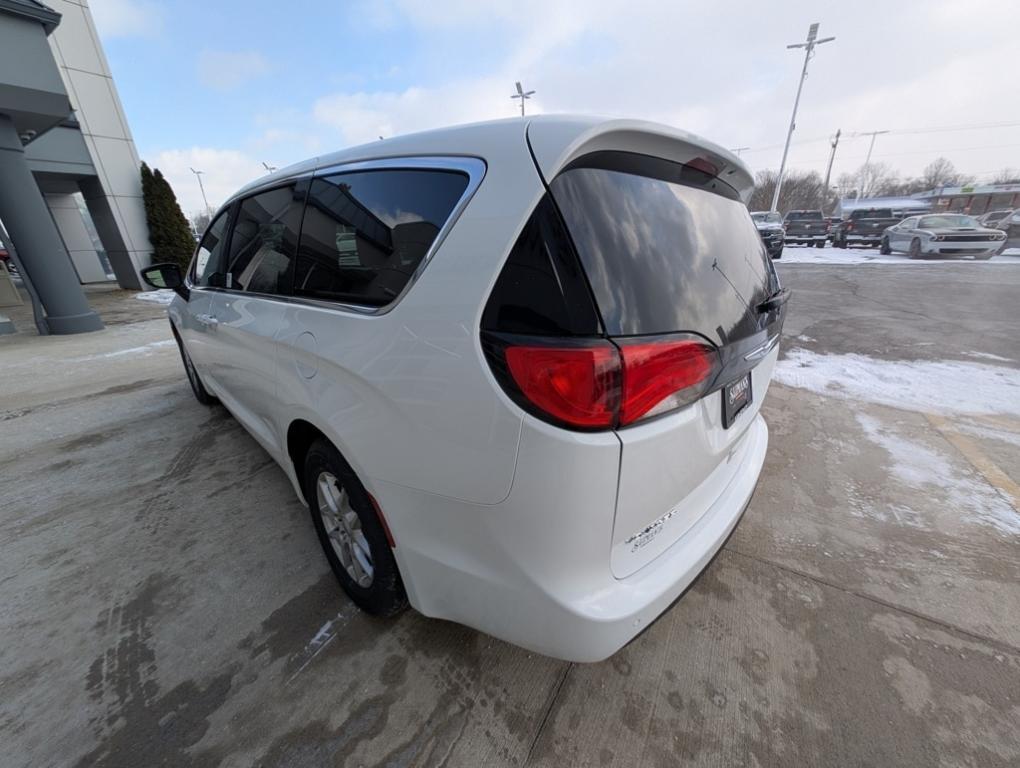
{"x": 385, "y": 595}
{"x": 819, "y": 244}
{"x": 197, "y": 387}
{"x": 884, "y": 248}
{"x": 915, "y": 249}
{"x": 778, "y": 254}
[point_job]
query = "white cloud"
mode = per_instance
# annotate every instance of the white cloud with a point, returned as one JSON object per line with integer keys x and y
{"x": 223, "y": 172}
{"x": 127, "y": 18}
{"x": 223, "y": 70}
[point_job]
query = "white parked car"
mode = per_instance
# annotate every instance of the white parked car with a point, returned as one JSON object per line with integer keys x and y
{"x": 513, "y": 368}
{"x": 942, "y": 234}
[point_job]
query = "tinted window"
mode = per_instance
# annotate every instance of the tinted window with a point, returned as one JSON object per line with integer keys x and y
{"x": 873, "y": 213}
{"x": 663, "y": 255}
{"x": 365, "y": 233}
{"x": 804, "y": 216}
{"x": 542, "y": 288}
{"x": 264, "y": 241}
{"x": 210, "y": 259}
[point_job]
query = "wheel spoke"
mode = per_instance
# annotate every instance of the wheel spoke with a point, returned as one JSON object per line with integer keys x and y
{"x": 343, "y": 528}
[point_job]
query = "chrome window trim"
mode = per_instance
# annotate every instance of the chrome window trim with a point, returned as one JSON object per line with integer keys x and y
{"x": 474, "y": 167}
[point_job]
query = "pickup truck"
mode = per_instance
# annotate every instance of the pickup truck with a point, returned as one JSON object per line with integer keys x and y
{"x": 806, "y": 228}
{"x": 864, "y": 226}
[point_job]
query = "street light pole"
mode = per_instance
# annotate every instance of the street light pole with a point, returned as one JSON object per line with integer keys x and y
{"x": 521, "y": 94}
{"x": 198, "y": 175}
{"x": 828, "y": 169}
{"x": 867, "y": 160}
{"x": 809, "y": 50}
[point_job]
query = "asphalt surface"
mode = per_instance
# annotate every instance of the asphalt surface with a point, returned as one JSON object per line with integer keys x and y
{"x": 163, "y": 599}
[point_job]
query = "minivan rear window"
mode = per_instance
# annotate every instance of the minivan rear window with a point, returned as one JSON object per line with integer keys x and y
{"x": 665, "y": 247}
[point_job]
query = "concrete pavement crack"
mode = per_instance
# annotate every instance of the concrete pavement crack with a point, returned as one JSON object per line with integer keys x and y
{"x": 548, "y": 712}
{"x": 998, "y": 644}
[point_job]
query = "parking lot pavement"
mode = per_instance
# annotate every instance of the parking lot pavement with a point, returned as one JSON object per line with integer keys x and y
{"x": 164, "y": 600}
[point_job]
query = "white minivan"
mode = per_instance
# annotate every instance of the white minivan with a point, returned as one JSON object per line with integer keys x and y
{"x": 514, "y": 368}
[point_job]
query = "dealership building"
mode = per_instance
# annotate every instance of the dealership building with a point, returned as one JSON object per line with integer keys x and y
{"x": 973, "y": 199}
{"x": 70, "y": 192}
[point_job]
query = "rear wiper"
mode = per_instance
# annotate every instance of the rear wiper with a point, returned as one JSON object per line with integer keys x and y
{"x": 775, "y": 301}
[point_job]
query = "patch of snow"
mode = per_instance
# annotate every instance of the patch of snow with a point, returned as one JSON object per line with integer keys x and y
{"x": 805, "y": 339}
{"x": 919, "y": 467}
{"x": 987, "y": 432}
{"x": 989, "y": 356}
{"x": 163, "y": 296}
{"x": 1011, "y": 252}
{"x": 842, "y": 256}
{"x": 143, "y": 350}
{"x": 926, "y": 386}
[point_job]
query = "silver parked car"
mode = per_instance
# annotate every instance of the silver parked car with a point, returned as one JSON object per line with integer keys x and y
{"x": 942, "y": 234}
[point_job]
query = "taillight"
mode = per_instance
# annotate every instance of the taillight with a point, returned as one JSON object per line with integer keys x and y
{"x": 576, "y": 385}
{"x": 659, "y": 376}
{"x": 600, "y": 384}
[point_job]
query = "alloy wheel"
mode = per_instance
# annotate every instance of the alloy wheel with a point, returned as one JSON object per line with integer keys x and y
{"x": 343, "y": 527}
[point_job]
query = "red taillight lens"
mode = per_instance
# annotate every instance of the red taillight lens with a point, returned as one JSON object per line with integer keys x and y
{"x": 602, "y": 385}
{"x": 662, "y": 375}
{"x": 577, "y": 385}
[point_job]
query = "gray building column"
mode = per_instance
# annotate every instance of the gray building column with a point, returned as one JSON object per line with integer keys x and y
{"x": 40, "y": 248}
{"x": 71, "y": 226}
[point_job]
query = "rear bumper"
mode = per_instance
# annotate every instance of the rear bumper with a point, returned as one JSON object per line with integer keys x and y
{"x": 534, "y": 570}
{"x": 864, "y": 238}
{"x": 805, "y": 238}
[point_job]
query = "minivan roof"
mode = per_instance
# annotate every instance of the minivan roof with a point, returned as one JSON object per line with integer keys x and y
{"x": 555, "y": 140}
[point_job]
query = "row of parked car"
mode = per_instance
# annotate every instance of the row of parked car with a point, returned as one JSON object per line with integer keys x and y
{"x": 927, "y": 234}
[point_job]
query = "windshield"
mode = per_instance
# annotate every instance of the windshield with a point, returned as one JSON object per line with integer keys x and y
{"x": 872, "y": 213}
{"x": 767, "y": 217}
{"x": 947, "y": 220}
{"x": 804, "y": 215}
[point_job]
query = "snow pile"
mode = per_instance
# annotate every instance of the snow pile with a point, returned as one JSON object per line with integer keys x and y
{"x": 795, "y": 255}
{"x": 927, "y": 386}
{"x": 163, "y": 296}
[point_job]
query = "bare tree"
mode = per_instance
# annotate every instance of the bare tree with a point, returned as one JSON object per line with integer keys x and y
{"x": 1007, "y": 176}
{"x": 941, "y": 173}
{"x": 801, "y": 190}
{"x": 875, "y": 179}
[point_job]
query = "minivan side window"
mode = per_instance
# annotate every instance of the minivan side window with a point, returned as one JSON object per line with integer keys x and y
{"x": 264, "y": 240}
{"x": 365, "y": 232}
{"x": 210, "y": 259}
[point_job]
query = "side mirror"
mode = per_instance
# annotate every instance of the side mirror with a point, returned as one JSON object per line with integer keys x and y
{"x": 166, "y": 276}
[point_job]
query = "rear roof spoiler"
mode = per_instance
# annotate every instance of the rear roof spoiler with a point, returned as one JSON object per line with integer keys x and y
{"x": 555, "y": 143}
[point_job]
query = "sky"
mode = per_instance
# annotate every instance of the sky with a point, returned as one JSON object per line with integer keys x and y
{"x": 228, "y": 85}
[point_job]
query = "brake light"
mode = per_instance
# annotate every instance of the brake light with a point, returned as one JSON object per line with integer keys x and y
{"x": 576, "y": 385}
{"x": 602, "y": 385}
{"x": 849, "y": 226}
{"x": 660, "y": 376}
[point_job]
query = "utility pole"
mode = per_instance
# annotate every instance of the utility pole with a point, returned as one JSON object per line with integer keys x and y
{"x": 522, "y": 95}
{"x": 809, "y": 51}
{"x": 198, "y": 175}
{"x": 738, "y": 150}
{"x": 867, "y": 160}
{"x": 269, "y": 168}
{"x": 828, "y": 170}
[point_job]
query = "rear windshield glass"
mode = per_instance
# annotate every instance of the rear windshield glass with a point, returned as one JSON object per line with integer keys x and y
{"x": 872, "y": 213}
{"x": 767, "y": 218}
{"x": 664, "y": 255}
{"x": 804, "y": 215}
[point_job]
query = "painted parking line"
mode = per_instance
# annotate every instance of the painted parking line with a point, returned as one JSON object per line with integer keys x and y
{"x": 970, "y": 450}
